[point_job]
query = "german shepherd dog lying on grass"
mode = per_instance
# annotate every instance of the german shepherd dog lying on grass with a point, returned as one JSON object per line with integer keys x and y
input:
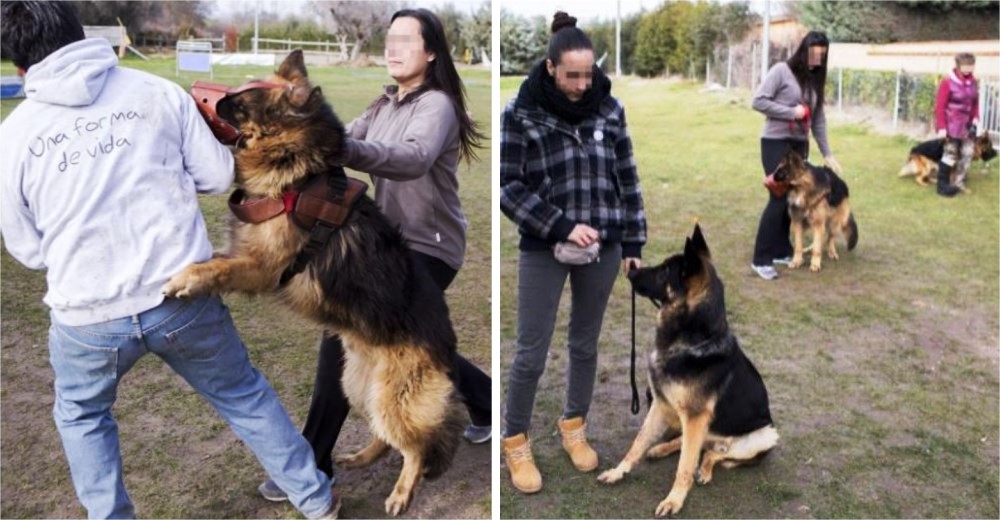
{"x": 819, "y": 199}
{"x": 924, "y": 158}
{"x": 703, "y": 385}
{"x": 398, "y": 338}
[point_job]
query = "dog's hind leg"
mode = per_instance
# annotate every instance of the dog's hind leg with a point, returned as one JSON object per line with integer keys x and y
{"x": 694, "y": 431}
{"x": 708, "y": 462}
{"x": 656, "y": 424}
{"x": 369, "y": 454}
{"x": 409, "y": 477}
{"x": 664, "y": 449}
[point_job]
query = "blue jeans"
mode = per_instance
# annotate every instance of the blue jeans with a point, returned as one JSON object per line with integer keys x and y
{"x": 198, "y": 340}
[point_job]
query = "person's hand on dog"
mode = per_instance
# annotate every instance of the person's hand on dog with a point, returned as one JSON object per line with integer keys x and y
{"x": 832, "y": 163}
{"x": 629, "y": 264}
{"x": 583, "y": 235}
{"x": 942, "y": 133}
{"x": 800, "y": 112}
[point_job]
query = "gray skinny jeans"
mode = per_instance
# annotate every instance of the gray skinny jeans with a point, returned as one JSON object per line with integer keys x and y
{"x": 540, "y": 281}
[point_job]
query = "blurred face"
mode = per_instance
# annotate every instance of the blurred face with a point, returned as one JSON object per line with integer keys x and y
{"x": 405, "y": 57}
{"x": 574, "y": 73}
{"x": 967, "y": 68}
{"x": 816, "y": 55}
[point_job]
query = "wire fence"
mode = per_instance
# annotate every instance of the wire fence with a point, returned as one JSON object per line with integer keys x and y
{"x": 897, "y": 96}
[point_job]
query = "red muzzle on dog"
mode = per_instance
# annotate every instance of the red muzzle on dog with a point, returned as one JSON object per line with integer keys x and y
{"x": 211, "y": 99}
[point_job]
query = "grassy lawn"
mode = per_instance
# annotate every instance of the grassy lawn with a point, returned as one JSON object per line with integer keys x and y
{"x": 882, "y": 369}
{"x": 181, "y": 460}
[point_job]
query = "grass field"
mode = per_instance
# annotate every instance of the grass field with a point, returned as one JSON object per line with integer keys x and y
{"x": 882, "y": 368}
{"x": 181, "y": 460}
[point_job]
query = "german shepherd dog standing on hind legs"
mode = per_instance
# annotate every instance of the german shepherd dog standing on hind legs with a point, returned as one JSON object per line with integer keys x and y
{"x": 703, "y": 386}
{"x": 393, "y": 320}
{"x": 817, "y": 198}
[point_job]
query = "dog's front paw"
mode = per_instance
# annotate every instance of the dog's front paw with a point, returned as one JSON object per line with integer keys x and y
{"x": 670, "y": 505}
{"x": 397, "y": 503}
{"x": 704, "y": 476}
{"x": 190, "y": 282}
{"x": 815, "y": 265}
{"x": 832, "y": 253}
{"x": 611, "y": 476}
{"x": 795, "y": 263}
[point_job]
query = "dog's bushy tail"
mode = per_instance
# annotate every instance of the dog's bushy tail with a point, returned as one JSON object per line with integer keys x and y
{"x": 852, "y": 232}
{"x": 908, "y": 169}
{"x": 442, "y": 444}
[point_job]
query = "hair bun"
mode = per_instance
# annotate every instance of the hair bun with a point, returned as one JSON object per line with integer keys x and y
{"x": 562, "y": 20}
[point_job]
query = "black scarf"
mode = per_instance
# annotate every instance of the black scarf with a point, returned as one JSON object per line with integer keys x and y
{"x": 541, "y": 88}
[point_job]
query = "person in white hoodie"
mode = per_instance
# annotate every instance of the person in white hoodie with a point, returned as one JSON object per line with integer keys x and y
{"x": 98, "y": 186}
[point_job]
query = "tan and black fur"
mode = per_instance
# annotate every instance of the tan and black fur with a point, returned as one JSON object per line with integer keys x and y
{"x": 923, "y": 161}
{"x": 703, "y": 386}
{"x": 392, "y": 318}
{"x": 817, "y": 199}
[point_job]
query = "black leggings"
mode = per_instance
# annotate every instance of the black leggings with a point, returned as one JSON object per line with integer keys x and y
{"x": 329, "y": 406}
{"x": 772, "y": 232}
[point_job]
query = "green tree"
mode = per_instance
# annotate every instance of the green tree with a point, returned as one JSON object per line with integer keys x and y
{"x": 522, "y": 42}
{"x": 477, "y": 30}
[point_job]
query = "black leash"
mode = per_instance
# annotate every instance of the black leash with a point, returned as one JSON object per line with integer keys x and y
{"x": 635, "y": 389}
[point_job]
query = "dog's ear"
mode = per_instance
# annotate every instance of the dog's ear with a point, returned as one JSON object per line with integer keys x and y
{"x": 294, "y": 68}
{"x": 794, "y": 160}
{"x": 692, "y": 258}
{"x": 698, "y": 242}
{"x": 300, "y": 96}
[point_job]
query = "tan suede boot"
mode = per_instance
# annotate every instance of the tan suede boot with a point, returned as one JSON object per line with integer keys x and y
{"x": 574, "y": 441}
{"x": 524, "y": 474}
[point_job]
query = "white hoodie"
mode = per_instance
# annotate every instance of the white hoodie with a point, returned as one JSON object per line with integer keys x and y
{"x": 98, "y": 177}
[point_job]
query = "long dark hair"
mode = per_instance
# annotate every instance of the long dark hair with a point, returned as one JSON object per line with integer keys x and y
{"x": 442, "y": 75}
{"x": 810, "y": 80}
{"x": 566, "y": 37}
{"x": 33, "y": 30}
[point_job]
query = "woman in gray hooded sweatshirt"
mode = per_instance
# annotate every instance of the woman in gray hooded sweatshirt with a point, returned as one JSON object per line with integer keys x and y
{"x": 410, "y": 140}
{"x": 791, "y": 97}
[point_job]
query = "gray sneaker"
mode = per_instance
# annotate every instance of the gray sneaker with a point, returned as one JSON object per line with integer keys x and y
{"x": 478, "y": 434}
{"x": 766, "y": 272}
{"x": 334, "y": 509}
{"x": 270, "y": 491}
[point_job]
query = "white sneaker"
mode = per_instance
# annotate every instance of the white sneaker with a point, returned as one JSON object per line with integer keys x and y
{"x": 782, "y": 261}
{"x": 766, "y": 272}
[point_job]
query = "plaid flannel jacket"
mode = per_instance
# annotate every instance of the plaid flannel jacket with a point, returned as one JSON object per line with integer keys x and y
{"x": 554, "y": 175}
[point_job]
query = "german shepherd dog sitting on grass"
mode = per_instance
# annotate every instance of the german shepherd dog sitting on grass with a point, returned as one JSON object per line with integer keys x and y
{"x": 819, "y": 199}
{"x": 392, "y": 318}
{"x": 703, "y": 386}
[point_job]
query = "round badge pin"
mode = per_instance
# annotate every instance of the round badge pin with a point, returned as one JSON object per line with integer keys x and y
{"x": 598, "y": 135}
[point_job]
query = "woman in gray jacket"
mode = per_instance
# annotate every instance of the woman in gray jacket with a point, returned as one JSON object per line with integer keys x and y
{"x": 410, "y": 140}
{"x": 791, "y": 97}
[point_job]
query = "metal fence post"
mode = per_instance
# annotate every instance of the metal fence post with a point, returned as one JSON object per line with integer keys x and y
{"x": 895, "y": 106}
{"x": 729, "y": 68}
{"x": 840, "y": 90}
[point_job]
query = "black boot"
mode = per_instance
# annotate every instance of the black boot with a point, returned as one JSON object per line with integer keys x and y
{"x": 944, "y": 187}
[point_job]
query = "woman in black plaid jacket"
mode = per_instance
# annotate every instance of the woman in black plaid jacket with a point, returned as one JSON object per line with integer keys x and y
{"x": 567, "y": 175}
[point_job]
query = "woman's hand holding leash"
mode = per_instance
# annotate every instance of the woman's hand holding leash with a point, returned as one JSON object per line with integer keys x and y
{"x": 630, "y": 263}
{"x": 800, "y": 112}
